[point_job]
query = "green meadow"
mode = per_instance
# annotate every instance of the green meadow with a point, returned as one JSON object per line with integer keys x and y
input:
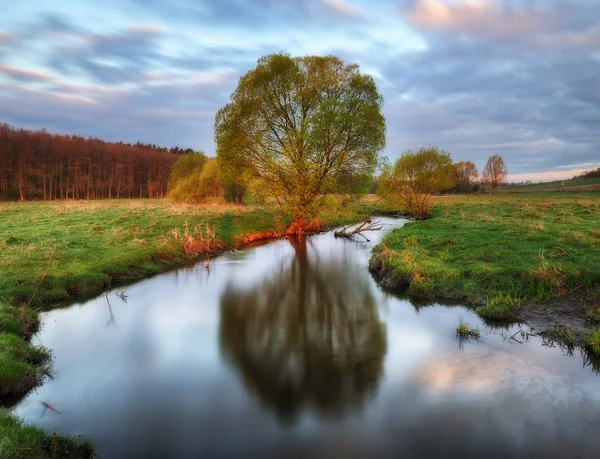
{"x": 498, "y": 251}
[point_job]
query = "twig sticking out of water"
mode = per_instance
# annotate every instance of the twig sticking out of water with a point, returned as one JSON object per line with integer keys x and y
{"x": 51, "y": 407}
{"x": 465, "y": 332}
{"x": 112, "y": 317}
{"x": 43, "y": 275}
{"x": 513, "y": 336}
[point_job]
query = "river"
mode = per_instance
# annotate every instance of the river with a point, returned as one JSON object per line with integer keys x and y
{"x": 291, "y": 349}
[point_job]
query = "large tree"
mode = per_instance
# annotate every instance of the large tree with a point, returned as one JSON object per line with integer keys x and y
{"x": 495, "y": 172}
{"x": 416, "y": 177}
{"x": 304, "y": 127}
{"x": 466, "y": 174}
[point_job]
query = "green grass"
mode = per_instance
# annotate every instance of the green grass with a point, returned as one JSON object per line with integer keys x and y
{"x": 22, "y": 366}
{"x": 593, "y": 315}
{"x": 502, "y": 251}
{"x": 593, "y": 342}
{"x": 557, "y": 184}
{"x": 18, "y": 441}
{"x": 464, "y": 331}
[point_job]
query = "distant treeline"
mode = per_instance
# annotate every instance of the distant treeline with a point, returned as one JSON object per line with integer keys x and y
{"x": 40, "y": 165}
{"x": 589, "y": 174}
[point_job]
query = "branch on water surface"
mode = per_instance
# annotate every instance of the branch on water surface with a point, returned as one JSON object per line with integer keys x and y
{"x": 367, "y": 225}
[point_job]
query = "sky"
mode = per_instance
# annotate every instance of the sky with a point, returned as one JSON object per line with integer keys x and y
{"x": 474, "y": 77}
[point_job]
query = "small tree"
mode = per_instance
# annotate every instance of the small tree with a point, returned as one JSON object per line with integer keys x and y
{"x": 417, "y": 176}
{"x": 202, "y": 184}
{"x": 304, "y": 127}
{"x": 495, "y": 172}
{"x": 234, "y": 191}
{"x": 466, "y": 175}
{"x": 185, "y": 166}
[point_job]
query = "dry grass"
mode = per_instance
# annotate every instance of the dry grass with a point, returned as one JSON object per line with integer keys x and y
{"x": 202, "y": 240}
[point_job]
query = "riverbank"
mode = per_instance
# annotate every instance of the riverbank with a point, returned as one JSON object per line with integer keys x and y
{"x": 533, "y": 258}
{"x": 58, "y": 251}
{"x": 100, "y": 243}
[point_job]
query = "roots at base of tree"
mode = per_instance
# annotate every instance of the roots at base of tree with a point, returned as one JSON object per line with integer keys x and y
{"x": 302, "y": 225}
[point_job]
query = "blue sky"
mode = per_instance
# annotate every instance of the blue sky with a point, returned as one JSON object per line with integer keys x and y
{"x": 475, "y": 77}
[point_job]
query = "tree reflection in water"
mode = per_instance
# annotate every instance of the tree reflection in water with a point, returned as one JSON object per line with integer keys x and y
{"x": 307, "y": 336}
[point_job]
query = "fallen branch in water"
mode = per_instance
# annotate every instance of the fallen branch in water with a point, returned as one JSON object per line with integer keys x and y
{"x": 51, "y": 408}
{"x": 367, "y": 225}
{"x": 43, "y": 275}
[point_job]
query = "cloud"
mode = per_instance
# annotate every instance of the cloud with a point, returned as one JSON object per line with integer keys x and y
{"x": 589, "y": 38}
{"x": 549, "y": 176}
{"x": 479, "y": 17}
{"x": 24, "y": 75}
{"x": 342, "y": 8}
{"x": 7, "y": 38}
{"x": 109, "y": 58}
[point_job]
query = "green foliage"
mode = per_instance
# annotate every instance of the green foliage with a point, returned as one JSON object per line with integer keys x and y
{"x": 234, "y": 192}
{"x": 299, "y": 128}
{"x": 593, "y": 342}
{"x": 498, "y": 251}
{"x": 184, "y": 167}
{"x": 202, "y": 183}
{"x": 416, "y": 176}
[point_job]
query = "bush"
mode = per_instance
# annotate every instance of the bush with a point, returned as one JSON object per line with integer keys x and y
{"x": 417, "y": 176}
{"x": 200, "y": 185}
{"x": 185, "y": 167}
{"x": 234, "y": 192}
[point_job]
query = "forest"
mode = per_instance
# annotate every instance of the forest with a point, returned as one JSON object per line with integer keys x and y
{"x": 38, "y": 165}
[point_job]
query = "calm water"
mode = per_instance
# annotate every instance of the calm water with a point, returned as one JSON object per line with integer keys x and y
{"x": 292, "y": 350}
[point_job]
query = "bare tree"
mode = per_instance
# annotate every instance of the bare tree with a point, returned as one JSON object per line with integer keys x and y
{"x": 495, "y": 172}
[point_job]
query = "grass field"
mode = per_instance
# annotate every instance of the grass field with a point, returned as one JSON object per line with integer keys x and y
{"x": 502, "y": 251}
{"x": 577, "y": 182}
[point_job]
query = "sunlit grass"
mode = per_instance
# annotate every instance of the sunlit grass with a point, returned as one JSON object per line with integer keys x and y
{"x": 501, "y": 251}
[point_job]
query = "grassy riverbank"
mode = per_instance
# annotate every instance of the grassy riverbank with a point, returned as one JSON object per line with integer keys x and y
{"x": 502, "y": 252}
{"x": 103, "y": 242}
{"x": 61, "y": 250}
{"x": 18, "y": 441}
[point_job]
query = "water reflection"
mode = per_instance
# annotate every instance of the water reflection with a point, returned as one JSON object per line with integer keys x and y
{"x": 308, "y": 335}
